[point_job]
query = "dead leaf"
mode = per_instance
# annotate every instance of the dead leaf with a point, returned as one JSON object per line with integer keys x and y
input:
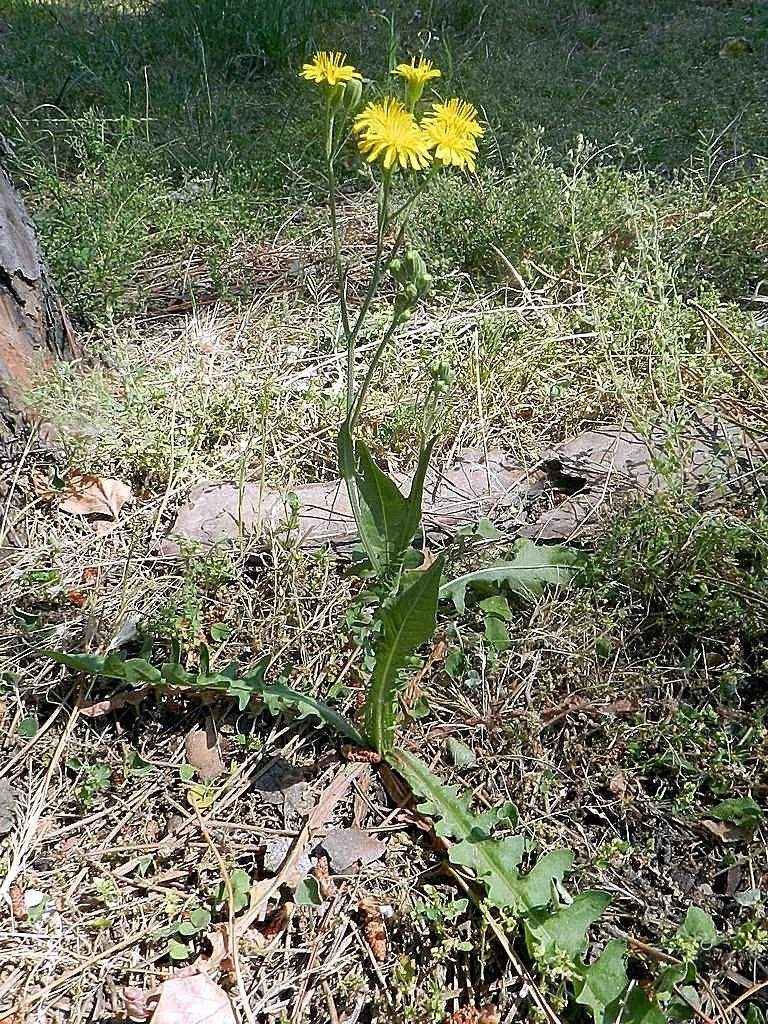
{"x": 283, "y": 784}
{"x": 276, "y": 850}
{"x": 86, "y": 495}
{"x": 139, "y": 1003}
{"x": 347, "y": 846}
{"x": 621, "y": 706}
{"x": 202, "y": 751}
{"x": 114, "y": 703}
{"x": 18, "y": 904}
{"x": 7, "y": 806}
{"x": 325, "y": 883}
{"x": 276, "y": 922}
{"x": 373, "y": 928}
{"x": 721, "y": 830}
{"x": 193, "y": 1000}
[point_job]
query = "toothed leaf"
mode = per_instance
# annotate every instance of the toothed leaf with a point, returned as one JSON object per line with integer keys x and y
{"x": 566, "y": 928}
{"x": 130, "y": 670}
{"x": 493, "y": 861}
{"x": 279, "y": 698}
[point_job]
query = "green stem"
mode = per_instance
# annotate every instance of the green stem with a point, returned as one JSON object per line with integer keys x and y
{"x": 340, "y": 270}
{"x": 355, "y": 410}
{"x": 383, "y": 220}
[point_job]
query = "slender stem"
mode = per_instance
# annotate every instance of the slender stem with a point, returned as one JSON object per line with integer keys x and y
{"x": 340, "y": 270}
{"x": 354, "y": 413}
{"x": 383, "y": 220}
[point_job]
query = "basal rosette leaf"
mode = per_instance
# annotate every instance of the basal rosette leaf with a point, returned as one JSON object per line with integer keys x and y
{"x": 493, "y": 861}
{"x": 279, "y": 698}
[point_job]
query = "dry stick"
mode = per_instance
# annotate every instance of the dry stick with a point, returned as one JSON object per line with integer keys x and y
{"x": 32, "y": 825}
{"x": 745, "y": 996}
{"x": 233, "y": 943}
{"x": 705, "y": 318}
{"x": 261, "y": 892}
{"x": 83, "y": 967}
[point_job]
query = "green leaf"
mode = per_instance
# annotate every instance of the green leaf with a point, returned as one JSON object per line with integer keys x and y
{"x": 28, "y": 727}
{"x": 482, "y": 529}
{"x": 199, "y": 919}
{"x": 279, "y": 698}
{"x": 220, "y": 631}
{"x": 496, "y": 633}
{"x": 698, "y": 927}
{"x": 566, "y": 928}
{"x": 407, "y": 622}
{"x": 493, "y": 861}
{"x": 603, "y": 982}
{"x": 740, "y": 810}
{"x": 498, "y": 606}
{"x": 248, "y": 686}
{"x": 132, "y": 670}
{"x": 639, "y": 1009}
{"x": 388, "y": 520}
{"x": 527, "y": 573}
{"x": 308, "y": 893}
{"x": 177, "y": 950}
{"x": 460, "y": 753}
{"x": 241, "y": 890}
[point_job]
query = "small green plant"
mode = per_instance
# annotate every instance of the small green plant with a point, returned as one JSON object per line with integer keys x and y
{"x": 92, "y": 779}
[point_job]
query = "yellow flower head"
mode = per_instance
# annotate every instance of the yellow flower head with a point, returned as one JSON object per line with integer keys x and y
{"x": 388, "y": 130}
{"x": 329, "y": 68}
{"x": 418, "y": 74}
{"x": 451, "y": 129}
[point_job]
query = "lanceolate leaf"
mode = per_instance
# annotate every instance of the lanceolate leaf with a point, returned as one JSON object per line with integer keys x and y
{"x": 280, "y": 698}
{"x": 493, "y": 861}
{"x": 406, "y": 624}
{"x": 386, "y": 519}
{"x": 130, "y": 670}
{"x": 566, "y": 929}
{"x": 527, "y": 573}
{"x": 603, "y": 982}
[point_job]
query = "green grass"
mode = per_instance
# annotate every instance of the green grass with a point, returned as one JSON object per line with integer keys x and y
{"x": 142, "y": 131}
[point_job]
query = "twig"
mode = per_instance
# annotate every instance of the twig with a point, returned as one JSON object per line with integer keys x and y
{"x": 233, "y": 943}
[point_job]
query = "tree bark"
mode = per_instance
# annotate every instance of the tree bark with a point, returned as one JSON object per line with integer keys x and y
{"x": 34, "y": 329}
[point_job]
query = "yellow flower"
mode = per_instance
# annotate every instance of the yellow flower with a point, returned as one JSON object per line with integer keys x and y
{"x": 418, "y": 74}
{"x": 388, "y": 130}
{"x": 329, "y": 68}
{"x": 451, "y": 129}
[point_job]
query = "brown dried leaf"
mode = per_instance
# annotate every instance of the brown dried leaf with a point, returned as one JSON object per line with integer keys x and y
{"x": 114, "y": 703}
{"x": 618, "y": 785}
{"x": 202, "y": 751}
{"x": 86, "y": 495}
{"x": 193, "y": 999}
{"x": 721, "y": 830}
{"x": 373, "y": 928}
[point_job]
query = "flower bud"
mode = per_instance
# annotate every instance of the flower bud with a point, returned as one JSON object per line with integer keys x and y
{"x": 353, "y": 94}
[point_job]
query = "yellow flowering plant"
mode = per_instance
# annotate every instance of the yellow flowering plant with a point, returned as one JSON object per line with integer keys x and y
{"x": 395, "y": 139}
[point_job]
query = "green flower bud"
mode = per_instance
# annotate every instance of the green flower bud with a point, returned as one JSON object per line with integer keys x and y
{"x": 353, "y": 94}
